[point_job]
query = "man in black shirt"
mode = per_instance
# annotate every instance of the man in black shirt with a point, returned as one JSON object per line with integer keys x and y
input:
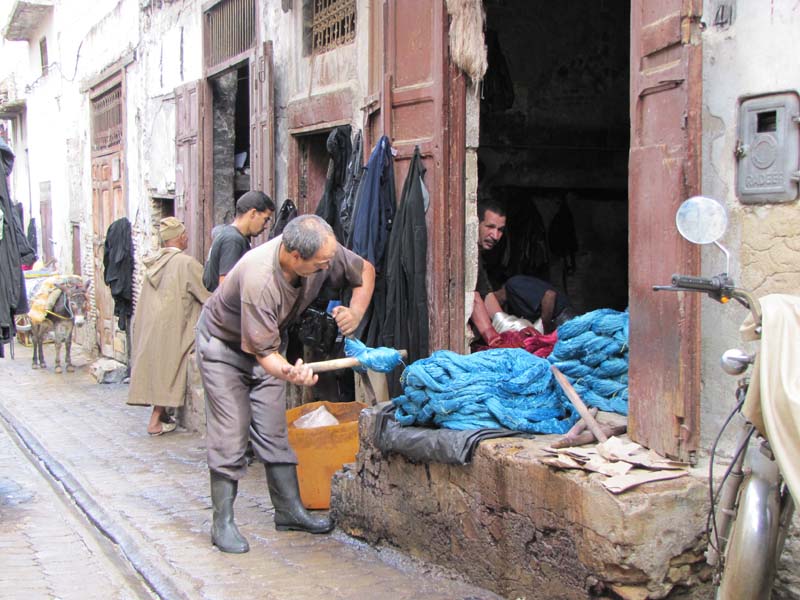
{"x": 522, "y": 295}
{"x": 253, "y": 211}
{"x": 491, "y": 227}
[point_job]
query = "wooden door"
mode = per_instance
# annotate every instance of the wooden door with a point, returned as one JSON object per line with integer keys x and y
{"x": 262, "y": 123}
{"x": 108, "y": 205}
{"x": 189, "y": 197}
{"x": 666, "y": 94}
{"x": 46, "y": 219}
{"x": 423, "y": 105}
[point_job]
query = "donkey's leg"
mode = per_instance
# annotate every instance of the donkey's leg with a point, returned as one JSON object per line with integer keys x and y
{"x": 58, "y": 338}
{"x": 68, "y": 349}
{"x": 40, "y": 344}
{"x": 35, "y": 338}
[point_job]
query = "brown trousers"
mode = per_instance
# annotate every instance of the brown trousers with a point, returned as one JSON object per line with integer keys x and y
{"x": 242, "y": 401}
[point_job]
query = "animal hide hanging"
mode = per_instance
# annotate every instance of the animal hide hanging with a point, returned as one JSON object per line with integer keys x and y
{"x": 467, "y": 43}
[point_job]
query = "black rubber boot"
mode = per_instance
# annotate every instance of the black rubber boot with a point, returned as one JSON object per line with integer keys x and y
{"x": 224, "y": 533}
{"x": 289, "y": 510}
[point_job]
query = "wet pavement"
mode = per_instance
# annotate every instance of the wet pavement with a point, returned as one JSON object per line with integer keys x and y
{"x": 107, "y": 501}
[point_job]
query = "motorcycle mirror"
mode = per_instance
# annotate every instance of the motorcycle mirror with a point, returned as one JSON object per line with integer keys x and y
{"x": 701, "y": 220}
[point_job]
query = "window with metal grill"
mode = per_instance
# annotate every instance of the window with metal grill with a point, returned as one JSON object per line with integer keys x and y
{"x": 230, "y": 30}
{"x": 333, "y": 23}
{"x": 107, "y": 119}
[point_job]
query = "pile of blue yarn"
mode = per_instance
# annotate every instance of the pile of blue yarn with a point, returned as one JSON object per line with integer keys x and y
{"x": 592, "y": 351}
{"x": 514, "y": 389}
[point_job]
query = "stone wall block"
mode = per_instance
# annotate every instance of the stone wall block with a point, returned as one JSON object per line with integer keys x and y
{"x": 192, "y": 414}
{"x": 511, "y": 524}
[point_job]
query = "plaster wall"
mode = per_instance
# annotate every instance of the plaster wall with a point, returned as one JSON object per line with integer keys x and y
{"x": 297, "y": 77}
{"x": 13, "y": 72}
{"x": 84, "y": 40}
{"x": 749, "y": 56}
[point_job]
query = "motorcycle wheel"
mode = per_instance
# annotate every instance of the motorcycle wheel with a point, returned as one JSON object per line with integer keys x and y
{"x": 750, "y": 552}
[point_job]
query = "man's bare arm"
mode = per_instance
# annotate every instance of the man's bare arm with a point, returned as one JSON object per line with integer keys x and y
{"x": 277, "y": 366}
{"x": 349, "y": 317}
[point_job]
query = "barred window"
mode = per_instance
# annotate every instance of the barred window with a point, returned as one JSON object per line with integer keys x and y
{"x": 230, "y": 30}
{"x": 107, "y": 119}
{"x": 333, "y": 24}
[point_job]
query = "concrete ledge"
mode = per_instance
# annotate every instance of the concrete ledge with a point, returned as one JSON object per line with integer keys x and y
{"x": 513, "y": 525}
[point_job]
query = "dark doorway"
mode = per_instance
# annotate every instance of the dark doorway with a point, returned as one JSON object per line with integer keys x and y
{"x": 314, "y": 159}
{"x": 554, "y": 143}
{"x": 231, "y": 134}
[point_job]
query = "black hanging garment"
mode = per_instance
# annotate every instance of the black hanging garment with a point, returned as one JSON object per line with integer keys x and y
{"x": 13, "y": 298}
{"x": 564, "y": 240}
{"x": 355, "y": 169}
{"x": 33, "y": 241}
{"x": 27, "y": 254}
{"x": 287, "y": 212}
{"x": 405, "y": 324}
{"x": 118, "y": 269}
{"x": 339, "y": 149}
{"x": 498, "y": 87}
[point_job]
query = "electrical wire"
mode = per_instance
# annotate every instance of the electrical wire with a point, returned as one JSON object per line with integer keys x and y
{"x": 711, "y": 521}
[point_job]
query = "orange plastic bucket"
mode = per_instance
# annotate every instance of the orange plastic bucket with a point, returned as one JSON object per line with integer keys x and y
{"x": 322, "y": 451}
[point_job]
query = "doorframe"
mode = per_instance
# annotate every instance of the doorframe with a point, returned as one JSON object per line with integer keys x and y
{"x": 317, "y": 114}
{"x": 110, "y": 78}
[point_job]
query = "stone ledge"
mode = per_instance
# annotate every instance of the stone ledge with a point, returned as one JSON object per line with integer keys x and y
{"x": 515, "y": 526}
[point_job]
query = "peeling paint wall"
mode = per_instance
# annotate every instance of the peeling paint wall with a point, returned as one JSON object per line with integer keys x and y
{"x": 746, "y": 52}
{"x": 299, "y": 77}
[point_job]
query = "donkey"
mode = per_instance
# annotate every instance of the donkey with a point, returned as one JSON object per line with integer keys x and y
{"x": 69, "y": 310}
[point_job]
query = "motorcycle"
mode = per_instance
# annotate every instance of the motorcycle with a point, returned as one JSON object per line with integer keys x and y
{"x": 751, "y": 509}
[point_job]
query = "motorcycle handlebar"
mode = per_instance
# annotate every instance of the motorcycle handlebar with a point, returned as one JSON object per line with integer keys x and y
{"x": 701, "y": 284}
{"x": 720, "y": 288}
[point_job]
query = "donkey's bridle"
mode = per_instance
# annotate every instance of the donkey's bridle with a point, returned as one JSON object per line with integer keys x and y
{"x": 68, "y": 299}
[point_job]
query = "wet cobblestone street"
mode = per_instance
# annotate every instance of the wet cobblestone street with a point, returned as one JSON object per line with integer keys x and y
{"x": 149, "y": 501}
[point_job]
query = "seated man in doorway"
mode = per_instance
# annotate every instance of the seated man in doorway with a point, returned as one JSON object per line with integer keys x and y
{"x": 491, "y": 227}
{"x": 533, "y": 299}
{"x": 522, "y": 295}
{"x": 253, "y": 212}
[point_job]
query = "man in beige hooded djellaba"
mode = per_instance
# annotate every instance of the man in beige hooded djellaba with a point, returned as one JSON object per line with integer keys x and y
{"x": 169, "y": 305}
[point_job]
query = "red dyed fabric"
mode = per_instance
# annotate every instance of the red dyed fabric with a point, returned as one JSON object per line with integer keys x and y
{"x": 529, "y": 339}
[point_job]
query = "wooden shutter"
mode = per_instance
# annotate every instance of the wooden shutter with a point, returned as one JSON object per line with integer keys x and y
{"x": 189, "y": 200}
{"x": 261, "y": 121}
{"x": 666, "y": 94}
{"x": 423, "y": 105}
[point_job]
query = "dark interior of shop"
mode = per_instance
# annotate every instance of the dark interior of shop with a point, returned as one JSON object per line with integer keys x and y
{"x": 554, "y": 140}
{"x": 231, "y": 117}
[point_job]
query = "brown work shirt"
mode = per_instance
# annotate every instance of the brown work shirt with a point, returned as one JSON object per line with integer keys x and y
{"x": 254, "y": 304}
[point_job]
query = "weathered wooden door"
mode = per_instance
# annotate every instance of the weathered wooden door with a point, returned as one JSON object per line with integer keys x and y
{"x": 666, "y": 93}
{"x": 46, "y": 219}
{"x": 108, "y": 205}
{"x": 262, "y": 122}
{"x": 423, "y": 105}
{"x": 189, "y": 201}
{"x": 262, "y": 118}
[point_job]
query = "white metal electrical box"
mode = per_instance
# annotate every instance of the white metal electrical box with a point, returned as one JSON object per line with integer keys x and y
{"x": 768, "y": 149}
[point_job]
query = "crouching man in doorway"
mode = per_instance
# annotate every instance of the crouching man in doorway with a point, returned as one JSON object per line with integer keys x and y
{"x": 240, "y": 336}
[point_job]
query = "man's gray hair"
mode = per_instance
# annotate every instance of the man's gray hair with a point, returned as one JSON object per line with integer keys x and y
{"x": 306, "y": 234}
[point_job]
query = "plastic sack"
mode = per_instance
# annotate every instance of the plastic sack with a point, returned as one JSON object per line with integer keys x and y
{"x": 316, "y": 418}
